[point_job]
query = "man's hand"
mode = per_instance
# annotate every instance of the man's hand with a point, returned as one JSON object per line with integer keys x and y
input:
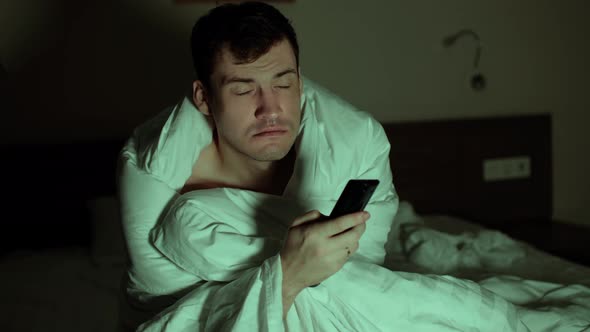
{"x": 316, "y": 248}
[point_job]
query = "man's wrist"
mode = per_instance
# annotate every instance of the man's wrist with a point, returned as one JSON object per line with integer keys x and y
{"x": 289, "y": 289}
{"x": 289, "y": 295}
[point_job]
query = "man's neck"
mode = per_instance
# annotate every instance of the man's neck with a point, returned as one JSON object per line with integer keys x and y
{"x": 267, "y": 177}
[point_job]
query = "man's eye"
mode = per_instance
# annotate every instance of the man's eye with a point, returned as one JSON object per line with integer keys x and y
{"x": 283, "y": 86}
{"x": 243, "y": 93}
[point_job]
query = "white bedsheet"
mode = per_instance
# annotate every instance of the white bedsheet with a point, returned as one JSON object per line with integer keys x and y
{"x": 449, "y": 245}
{"x": 552, "y": 293}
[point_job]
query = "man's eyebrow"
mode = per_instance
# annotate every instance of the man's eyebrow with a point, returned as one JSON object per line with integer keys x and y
{"x": 235, "y": 79}
{"x": 285, "y": 72}
{"x": 227, "y": 80}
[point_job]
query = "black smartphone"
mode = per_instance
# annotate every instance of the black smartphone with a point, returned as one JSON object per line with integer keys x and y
{"x": 354, "y": 197}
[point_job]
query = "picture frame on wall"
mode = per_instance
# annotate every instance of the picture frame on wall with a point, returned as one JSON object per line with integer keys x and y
{"x": 219, "y": 2}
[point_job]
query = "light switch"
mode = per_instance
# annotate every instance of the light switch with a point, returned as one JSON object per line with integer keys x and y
{"x": 517, "y": 167}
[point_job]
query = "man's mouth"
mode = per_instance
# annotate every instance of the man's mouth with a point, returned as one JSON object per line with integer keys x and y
{"x": 272, "y": 131}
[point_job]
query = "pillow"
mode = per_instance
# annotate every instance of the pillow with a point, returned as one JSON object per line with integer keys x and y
{"x": 108, "y": 245}
{"x": 420, "y": 244}
{"x": 405, "y": 217}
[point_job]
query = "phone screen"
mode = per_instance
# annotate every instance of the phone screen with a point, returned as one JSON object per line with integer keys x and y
{"x": 354, "y": 197}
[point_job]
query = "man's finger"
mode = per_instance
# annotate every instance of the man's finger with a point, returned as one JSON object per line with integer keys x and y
{"x": 354, "y": 248}
{"x": 309, "y": 216}
{"x": 351, "y": 236}
{"x": 341, "y": 224}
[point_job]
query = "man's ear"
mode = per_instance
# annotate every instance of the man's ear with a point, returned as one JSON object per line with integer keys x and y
{"x": 200, "y": 97}
{"x": 300, "y": 80}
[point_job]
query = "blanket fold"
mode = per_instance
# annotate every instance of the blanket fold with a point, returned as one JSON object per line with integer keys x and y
{"x": 244, "y": 304}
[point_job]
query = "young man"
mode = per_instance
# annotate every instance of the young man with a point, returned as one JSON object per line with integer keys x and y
{"x": 255, "y": 129}
{"x": 214, "y": 196}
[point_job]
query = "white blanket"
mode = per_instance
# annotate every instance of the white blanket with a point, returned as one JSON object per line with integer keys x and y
{"x": 224, "y": 245}
{"x": 240, "y": 246}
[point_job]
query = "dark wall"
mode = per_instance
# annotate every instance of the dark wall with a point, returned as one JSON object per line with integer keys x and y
{"x": 47, "y": 188}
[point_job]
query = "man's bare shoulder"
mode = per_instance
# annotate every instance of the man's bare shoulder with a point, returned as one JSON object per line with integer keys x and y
{"x": 204, "y": 175}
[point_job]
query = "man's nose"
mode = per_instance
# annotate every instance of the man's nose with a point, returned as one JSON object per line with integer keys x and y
{"x": 268, "y": 104}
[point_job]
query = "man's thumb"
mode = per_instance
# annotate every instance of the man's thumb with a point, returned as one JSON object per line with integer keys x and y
{"x": 309, "y": 216}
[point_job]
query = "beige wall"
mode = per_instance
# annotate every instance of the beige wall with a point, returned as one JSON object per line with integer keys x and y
{"x": 117, "y": 62}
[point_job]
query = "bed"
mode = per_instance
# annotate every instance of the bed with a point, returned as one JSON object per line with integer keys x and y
{"x": 62, "y": 254}
{"x": 62, "y": 263}
{"x": 438, "y": 167}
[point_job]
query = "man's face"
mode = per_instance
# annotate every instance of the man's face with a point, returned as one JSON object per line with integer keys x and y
{"x": 247, "y": 100}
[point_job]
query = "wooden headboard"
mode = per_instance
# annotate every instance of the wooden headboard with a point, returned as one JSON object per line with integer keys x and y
{"x": 438, "y": 167}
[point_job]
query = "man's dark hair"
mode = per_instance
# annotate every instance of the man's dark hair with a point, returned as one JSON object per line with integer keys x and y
{"x": 249, "y": 29}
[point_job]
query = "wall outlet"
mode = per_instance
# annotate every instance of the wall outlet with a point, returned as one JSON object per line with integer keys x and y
{"x": 517, "y": 167}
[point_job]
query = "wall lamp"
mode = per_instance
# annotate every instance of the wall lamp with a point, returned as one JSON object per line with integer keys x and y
{"x": 478, "y": 80}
